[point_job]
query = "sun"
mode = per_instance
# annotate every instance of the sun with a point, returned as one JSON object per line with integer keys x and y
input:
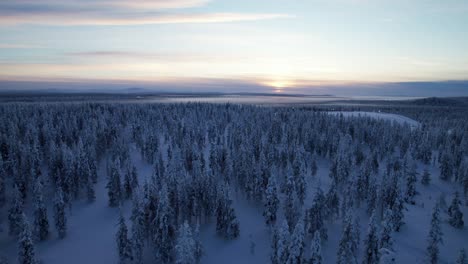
{"x": 278, "y": 85}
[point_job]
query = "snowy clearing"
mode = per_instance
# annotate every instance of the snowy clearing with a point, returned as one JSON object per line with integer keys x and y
{"x": 377, "y": 115}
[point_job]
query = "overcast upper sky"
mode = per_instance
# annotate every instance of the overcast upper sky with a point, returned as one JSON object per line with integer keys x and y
{"x": 269, "y": 43}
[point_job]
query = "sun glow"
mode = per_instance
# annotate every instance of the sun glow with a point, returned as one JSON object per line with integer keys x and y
{"x": 279, "y": 85}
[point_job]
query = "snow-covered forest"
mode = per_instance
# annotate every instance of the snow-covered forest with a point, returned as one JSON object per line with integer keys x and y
{"x": 184, "y": 183}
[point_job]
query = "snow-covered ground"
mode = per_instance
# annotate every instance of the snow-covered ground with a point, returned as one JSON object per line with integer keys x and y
{"x": 377, "y": 115}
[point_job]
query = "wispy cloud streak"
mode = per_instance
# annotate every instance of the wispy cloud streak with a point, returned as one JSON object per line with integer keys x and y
{"x": 115, "y": 13}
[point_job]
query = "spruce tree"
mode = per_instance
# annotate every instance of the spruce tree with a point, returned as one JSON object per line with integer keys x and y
{"x": 138, "y": 230}
{"x": 314, "y": 220}
{"x": 316, "y": 249}
{"x": 26, "y": 251}
{"x": 456, "y": 216}
{"x": 127, "y": 186}
{"x": 233, "y": 228}
{"x": 2, "y": 183}
{"x": 291, "y": 204}
{"x": 14, "y": 214}
{"x": 296, "y": 245}
{"x": 347, "y": 247}
{"x": 411, "y": 179}
{"x": 90, "y": 192}
{"x": 314, "y": 167}
{"x": 163, "y": 227}
{"x": 426, "y": 177}
{"x": 60, "y": 218}
{"x": 284, "y": 239}
{"x": 435, "y": 237}
{"x": 114, "y": 190}
{"x": 227, "y": 224}
{"x": 332, "y": 203}
{"x": 300, "y": 182}
{"x": 446, "y": 166}
{"x": 274, "y": 258}
{"x": 185, "y": 245}
{"x": 371, "y": 243}
{"x": 41, "y": 223}
{"x": 397, "y": 212}
{"x": 134, "y": 178}
{"x": 198, "y": 245}
{"x": 386, "y": 239}
{"x": 123, "y": 243}
{"x": 271, "y": 202}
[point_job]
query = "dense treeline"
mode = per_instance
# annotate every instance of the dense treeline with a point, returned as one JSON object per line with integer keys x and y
{"x": 202, "y": 153}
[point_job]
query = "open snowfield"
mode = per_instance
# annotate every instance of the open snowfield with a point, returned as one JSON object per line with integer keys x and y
{"x": 377, "y": 115}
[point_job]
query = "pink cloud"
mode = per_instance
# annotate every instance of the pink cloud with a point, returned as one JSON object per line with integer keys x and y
{"x": 115, "y": 13}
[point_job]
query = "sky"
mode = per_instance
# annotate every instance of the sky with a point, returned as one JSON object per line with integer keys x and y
{"x": 227, "y": 45}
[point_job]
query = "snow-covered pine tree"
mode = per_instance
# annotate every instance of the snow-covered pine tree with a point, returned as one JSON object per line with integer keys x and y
{"x": 435, "y": 237}
{"x": 41, "y": 223}
{"x": 163, "y": 227}
{"x": 124, "y": 246}
{"x": 198, "y": 245}
{"x": 2, "y": 183}
{"x": 314, "y": 220}
{"x": 138, "y": 229}
{"x": 371, "y": 243}
{"x": 462, "y": 258}
{"x": 127, "y": 185}
{"x": 60, "y": 218}
{"x": 397, "y": 211}
{"x": 233, "y": 228}
{"x": 275, "y": 237}
{"x": 271, "y": 202}
{"x": 446, "y": 166}
{"x": 356, "y": 234}
{"x": 90, "y": 192}
{"x": 227, "y": 224}
{"x": 332, "y": 203}
{"x": 313, "y": 166}
{"x": 347, "y": 247}
{"x": 316, "y": 249}
{"x": 296, "y": 245}
{"x": 14, "y": 213}
{"x": 411, "y": 179}
{"x": 372, "y": 196}
{"x": 426, "y": 177}
{"x": 284, "y": 238}
{"x": 291, "y": 203}
{"x": 114, "y": 190}
{"x": 134, "y": 178}
{"x": 386, "y": 239}
{"x": 26, "y": 250}
{"x": 299, "y": 180}
{"x": 185, "y": 245}
{"x": 456, "y": 215}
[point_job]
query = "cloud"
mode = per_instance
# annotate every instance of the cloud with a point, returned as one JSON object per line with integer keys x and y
{"x": 17, "y": 46}
{"x": 80, "y": 5}
{"x": 115, "y": 13}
